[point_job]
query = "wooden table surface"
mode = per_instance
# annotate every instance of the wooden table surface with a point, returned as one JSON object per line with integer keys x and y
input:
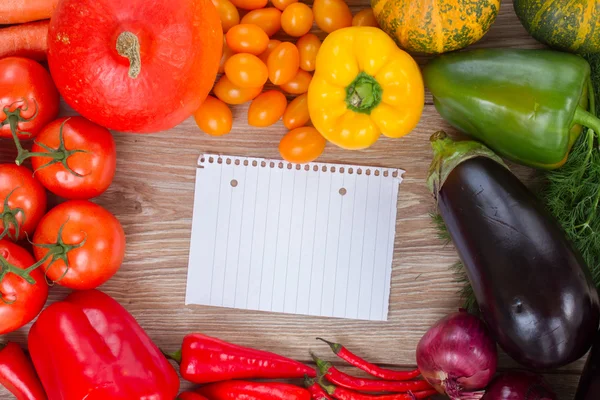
{"x": 152, "y": 195}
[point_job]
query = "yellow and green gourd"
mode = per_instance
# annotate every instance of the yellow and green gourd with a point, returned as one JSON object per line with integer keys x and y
{"x": 435, "y": 26}
{"x": 568, "y": 25}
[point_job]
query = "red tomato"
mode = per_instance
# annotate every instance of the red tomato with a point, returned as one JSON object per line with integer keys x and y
{"x": 92, "y": 241}
{"x": 299, "y": 83}
{"x": 297, "y": 19}
{"x": 83, "y": 162}
{"x": 22, "y": 293}
{"x": 331, "y": 15}
{"x": 296, "y": 114}
{"x": 135, "y": 65}
{"x": 283, "y": 63}
{"x": 246, "y": 70}
{"x": 249, "y": 4}
{"x": 214, "y": 117}
{"x": 226, "y": 91}
{"x": 308, "y": 47}
{"x": 302, "y": 145}
{"x": 365, "y": 18}
{"x": 267, "y": 108}
{"x": 26, "y": 88}
{"x": 247, "y": 38}
{"x": 264, "y": 56}
{"x": 282, "y": 4}
{"x": 22, "y": 202}
{"x": 228, "y": 13}
{"x": 268, "y": 19}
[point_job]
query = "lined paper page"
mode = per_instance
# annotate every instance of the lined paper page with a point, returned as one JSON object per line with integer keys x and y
{"x": 314, "y": 239}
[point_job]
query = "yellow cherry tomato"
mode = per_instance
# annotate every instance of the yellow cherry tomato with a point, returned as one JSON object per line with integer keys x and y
{"x": 264, "y": 56}
{"x": 296, "y": 113}
{"x": 228, "y": 13}
{"x": 247, "y": 38}
{"x": 365, "y": 18}
{"x": 226, "y": 91}
{"x": 282, "y": 4}
{"x": 246, "y": 70}
{"x": 302, "y": 145}
{"x": 227, "y": 52}
{"x": 299, "y": 83}
{"x": 214, "y": 117}
{"x": 331, "y": 15}
{"x": 268, "y": 19}
{"x": 283, "y": 63}
{"x": 308, "y": 47}
{"x": 297, "y": 19}
{"x": 266, "y": 108}
{"x": 249, "y": 4}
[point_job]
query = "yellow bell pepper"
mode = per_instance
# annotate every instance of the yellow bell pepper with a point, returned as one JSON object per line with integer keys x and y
{"x": 364, "y": 86}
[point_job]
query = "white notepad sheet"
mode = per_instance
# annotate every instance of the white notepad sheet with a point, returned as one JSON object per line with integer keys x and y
{"x": 313, "y": 239}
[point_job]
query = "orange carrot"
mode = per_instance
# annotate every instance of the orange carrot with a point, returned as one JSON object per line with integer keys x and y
{"x": 21, "y": 11}
{"x": 25, "y": 40}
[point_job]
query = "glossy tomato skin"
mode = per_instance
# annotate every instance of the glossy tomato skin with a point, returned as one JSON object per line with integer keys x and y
{"x": 21, "y": 78}
{"x": 267, "y": 108}
{"x": 268, "y": 19}
{"x": 308, "y": 48}
{"x": 96, "y": 164}
{"x": 25, "y": 193}
{"x": 302, "y": 145}
{"x": 230, "y": 93}
{"x": 97, "y": 260}
{"x": 299, "y": 83}
{"x": 214, "y": 117}
{"x": 22, "y": 301}
{"x": 283, "y": 63}
{"x": 99, "y": 83}
{"x": 296, "y": 114}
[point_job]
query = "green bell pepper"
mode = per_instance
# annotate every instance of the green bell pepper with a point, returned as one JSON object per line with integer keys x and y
{"x": 527, "y": 105}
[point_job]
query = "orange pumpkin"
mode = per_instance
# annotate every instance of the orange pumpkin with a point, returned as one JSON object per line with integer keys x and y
{"x": 435, "y": 26}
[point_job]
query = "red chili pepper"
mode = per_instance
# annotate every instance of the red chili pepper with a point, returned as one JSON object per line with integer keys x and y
{"x": 204, "y": 359}
{"x": 316, "y": 391}
{"x": 190, "y": 396}
{"x": 337, "y": 377}
{"x": 353, "y": 359}
{"x": 89, "y": 347}
{"x": 17, "y": 374}
{"x": 346, "y": 394}
{"x": 235, "y": 390}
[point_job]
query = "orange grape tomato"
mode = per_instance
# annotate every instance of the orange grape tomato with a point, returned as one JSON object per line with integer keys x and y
{"x": 299, "y": 83}
{"x": 283, "y": 63}
{"x": 247, "y": 38}
{"x": 297, "y": 19}
{"x": 228, "y": 13}
{"x": 273, "y": 43}
{"x": 214, "y": 117}
{"x": 226, "y": 91}
{"x": 227, "y": 52}
{"x": 268, "y": 19}
{"x": 246, "y": 70}
{"x": 365, "y": 18}
{"x": 308, "y": 47}
{"x": 249, "y": 4}
{"x": 302, "y": 145}
{"x": 266, "y": 108}
{"x": 296, "y": 113}
{"x": 282, "y": 4}
{"x": 331, "y": 15}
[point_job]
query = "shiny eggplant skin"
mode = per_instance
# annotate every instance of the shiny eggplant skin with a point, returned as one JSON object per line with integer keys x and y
{"x": 589, "y": 383}
{"x": 533, "y": 289}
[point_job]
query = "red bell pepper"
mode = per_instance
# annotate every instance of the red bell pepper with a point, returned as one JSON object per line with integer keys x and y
{"x": 17, "y": 374}
{"x": 190, "y": 396}
{"x": 89, "y": 347}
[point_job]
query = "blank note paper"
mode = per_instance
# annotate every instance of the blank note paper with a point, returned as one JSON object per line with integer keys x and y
{"x": 314, "y": 239}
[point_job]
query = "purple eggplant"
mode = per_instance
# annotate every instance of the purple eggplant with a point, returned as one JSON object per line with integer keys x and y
{"x": 533, "y": 288}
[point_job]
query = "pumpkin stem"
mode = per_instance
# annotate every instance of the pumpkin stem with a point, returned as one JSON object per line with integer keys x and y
{"x": 363, "y": 94}
{"x": 128, "y": 46}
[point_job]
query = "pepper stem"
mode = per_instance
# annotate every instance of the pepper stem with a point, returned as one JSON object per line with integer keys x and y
{"x": 335, "y": 347}
{"x": 363, "y": 94}
{"x": 176, "y": 356}
{"x": 128, "y": 46}
{"x": 585, "y": 118}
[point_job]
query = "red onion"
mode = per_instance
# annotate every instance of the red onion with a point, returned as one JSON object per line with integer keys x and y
{"x": 519, "y": 386}
{"x": 457, "y": 356}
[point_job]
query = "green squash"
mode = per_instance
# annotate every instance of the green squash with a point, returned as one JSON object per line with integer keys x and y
{"x": 568, "y": 25}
